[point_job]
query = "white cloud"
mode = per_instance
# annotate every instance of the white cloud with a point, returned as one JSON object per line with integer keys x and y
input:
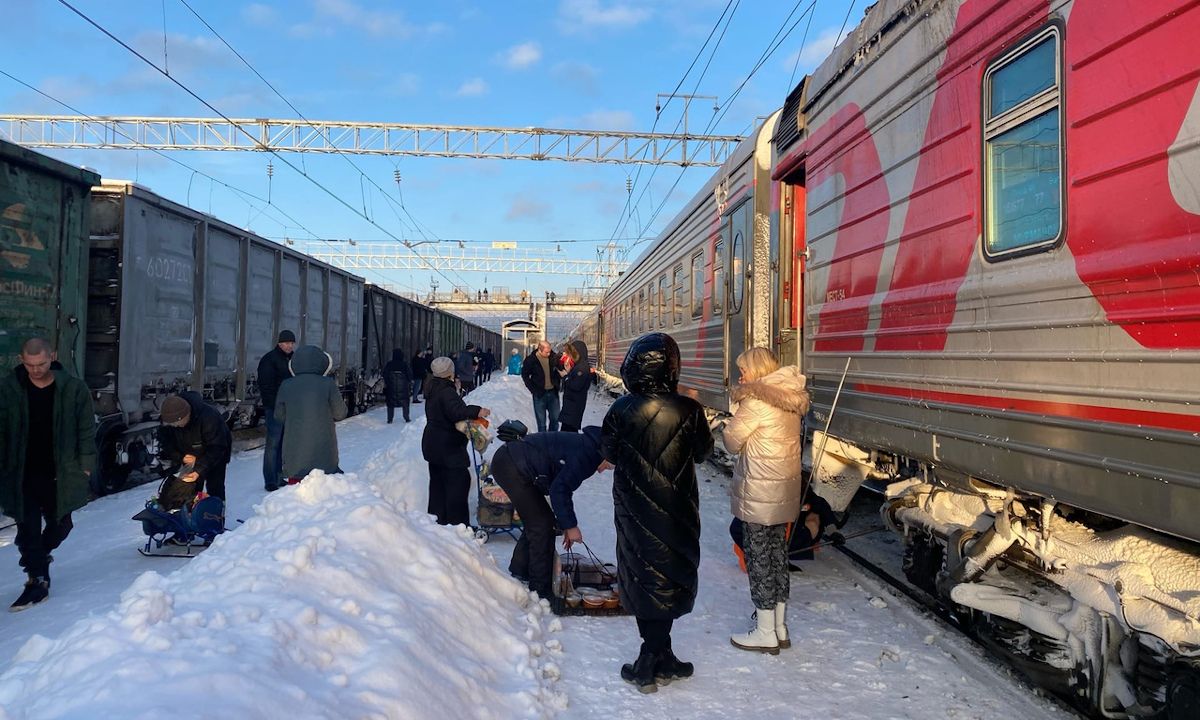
{"x": 607, "y": 120}
{"x": 403, "y": 85}
{"x": 521, "y": 57}
{"x": 582, "y": 15}
{"x": 260, "y": 15}
{"x": 348, "y": 13}
{"x": 183, "y": 53}
{"x": 815, "y": 51}
{"x": 472, "y": 88}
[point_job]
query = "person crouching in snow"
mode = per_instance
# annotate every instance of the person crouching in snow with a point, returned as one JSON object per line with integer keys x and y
{"x": 544, "y": 464}
{"x": 307, "y": 406}
{"x": 766, "y": 433}
{"x": 445, "y": 447}
{"x": 655, "y": 436}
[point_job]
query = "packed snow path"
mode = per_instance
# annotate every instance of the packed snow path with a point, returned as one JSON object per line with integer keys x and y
{"x": 340, "y": 598}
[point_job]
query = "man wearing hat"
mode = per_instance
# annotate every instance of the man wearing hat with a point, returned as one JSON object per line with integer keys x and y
{"x": 445, "y": 447}
{"x": 194, "y": 433}
{"x": 272, "y": 371}
{"x": 464, "y": 368}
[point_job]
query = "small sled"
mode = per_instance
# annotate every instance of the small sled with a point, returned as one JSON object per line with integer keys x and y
{"x": 183, "y": 532}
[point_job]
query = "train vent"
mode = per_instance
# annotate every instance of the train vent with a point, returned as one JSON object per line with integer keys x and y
{"x": 788, "y": 131}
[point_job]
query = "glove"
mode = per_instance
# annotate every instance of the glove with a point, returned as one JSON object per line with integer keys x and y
{"x": 837, "y": 539}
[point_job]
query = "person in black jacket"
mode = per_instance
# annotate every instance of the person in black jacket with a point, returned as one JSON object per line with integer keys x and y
{"x": 553, "y": 464}
{"x": 397, "y": 380}
{"x": 445, "y": 447}
{"x": 655, "y": 436}
{"x": 464, "y": 368}
{"x": 272, "y": 371}
{"x": 489, "y": 364}
{"x": 194, "y": 433}
{"x": 575, "y": 386}
{"x": 420, "y": 368}
{"x": 542, "y": 374}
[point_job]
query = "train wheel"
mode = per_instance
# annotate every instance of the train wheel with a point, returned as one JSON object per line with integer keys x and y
{"x": 110, "y": 476}
{"x": 1183, "y": 695}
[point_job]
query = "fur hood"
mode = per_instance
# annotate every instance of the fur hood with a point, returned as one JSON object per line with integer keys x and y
{"x": 782, "y": 389}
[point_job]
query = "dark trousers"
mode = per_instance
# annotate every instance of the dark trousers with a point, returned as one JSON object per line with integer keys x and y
{"x": 391, "y": 408}
{"x": 33, "y": 542}
{"x": 656, "y": 634}
{"x": 467, "y": 386}
{"x": 417, "y": 388}
{"x": 568, "y": 427}
{"x": 533, "y": 557}
{"x": 214, "y": 484}
{"x": 448, "y": 490}
{"x": 545, "y": 411}
{"x": 272, "y": 452}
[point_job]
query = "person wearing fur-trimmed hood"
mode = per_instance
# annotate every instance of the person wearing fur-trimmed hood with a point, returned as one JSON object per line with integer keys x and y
{"x": 766, "y": 434}
{"x": 307, "y": 406}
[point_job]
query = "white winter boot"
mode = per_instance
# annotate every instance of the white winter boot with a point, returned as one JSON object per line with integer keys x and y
{"x": 762, "y": 638}
{"x": 781, "y": 632}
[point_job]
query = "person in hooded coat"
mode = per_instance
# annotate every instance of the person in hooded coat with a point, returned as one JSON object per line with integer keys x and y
{"x": 514, "y": 362}
{"x": 545, "y": 464}
{"x": 654, "y": 437}
{"x": 397, "y": 380}
{"x": 575, "y": 386}
{"x": 308, "y": 405}
{"x": 444, "y": 446}
{"x": 766, "y": 433}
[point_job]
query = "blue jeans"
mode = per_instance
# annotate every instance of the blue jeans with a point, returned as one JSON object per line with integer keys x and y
{"x": 546, "y": 405}
{"x": 416, "y": 388}
{"x": 272, "y": 451}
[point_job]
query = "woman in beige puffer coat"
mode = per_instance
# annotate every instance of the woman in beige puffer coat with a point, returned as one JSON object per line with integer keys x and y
{"x": 766, "y": 434}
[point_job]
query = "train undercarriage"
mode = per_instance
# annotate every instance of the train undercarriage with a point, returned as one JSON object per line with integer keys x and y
{"x": 1104, "y": 614}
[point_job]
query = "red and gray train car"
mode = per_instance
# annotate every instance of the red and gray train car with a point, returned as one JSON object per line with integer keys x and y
{"x": 979, "y": 220}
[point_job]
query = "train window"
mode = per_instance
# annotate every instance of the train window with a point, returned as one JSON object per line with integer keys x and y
{"x": 641, "y": 311}
{"x": 1023, "y": 155}
{"x": 653, "y": 306}
{"x": 737, "y": 276}
{"x": 698, "y": 284}
{"x": 677, "y": 300}
{"x": 663, "y": 293}
{"x": 718, "y": 294}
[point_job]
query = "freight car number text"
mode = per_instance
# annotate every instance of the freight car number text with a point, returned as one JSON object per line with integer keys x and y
{"x": 168, "y": 269}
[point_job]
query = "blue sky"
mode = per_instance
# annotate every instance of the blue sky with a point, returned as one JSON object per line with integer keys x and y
{"x": 586, "y": 64}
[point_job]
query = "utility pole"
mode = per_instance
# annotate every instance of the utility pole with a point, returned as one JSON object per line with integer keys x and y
{"x": 687, "y": 104}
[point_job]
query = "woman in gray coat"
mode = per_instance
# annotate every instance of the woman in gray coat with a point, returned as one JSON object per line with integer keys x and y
{"x": 307, "y": 407}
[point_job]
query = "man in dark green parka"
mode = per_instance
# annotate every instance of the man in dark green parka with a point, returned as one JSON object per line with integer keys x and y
{"x": 47, "y": 451}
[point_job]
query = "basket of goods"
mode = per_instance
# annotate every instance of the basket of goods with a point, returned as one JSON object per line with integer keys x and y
{"x": 587, "y": 570}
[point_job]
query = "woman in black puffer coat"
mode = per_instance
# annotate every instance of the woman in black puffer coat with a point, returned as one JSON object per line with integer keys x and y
{"x": 444, "y": 446}
{"x": 655, "y": 436}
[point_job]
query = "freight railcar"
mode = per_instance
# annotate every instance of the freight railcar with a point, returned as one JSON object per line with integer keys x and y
{"x": 44, "y": 208}
{"x": 179, "y": 300}
{"x": 391, "y": 322}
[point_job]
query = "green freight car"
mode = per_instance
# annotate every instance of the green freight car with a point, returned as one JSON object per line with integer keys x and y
{"x": 44, "y": 210}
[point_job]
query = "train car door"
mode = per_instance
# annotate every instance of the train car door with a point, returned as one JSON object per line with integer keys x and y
{"x": 737, "y": 229}
{"x": 788, "y": 268}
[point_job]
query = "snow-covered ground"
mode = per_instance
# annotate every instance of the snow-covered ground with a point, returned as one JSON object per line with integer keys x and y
{"x": 340, "y": 598}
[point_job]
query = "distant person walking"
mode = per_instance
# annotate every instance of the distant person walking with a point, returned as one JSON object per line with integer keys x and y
{"x": 308, "y": 406}
{"x": 194, "y": 433}
{"x": 540, "y": 372}
{"x": 47, "y": 452}
{"x": 272, "y": 371}
{"x": 420, "y": 368}
{"x": 397, "y": 382}
{"x": 464, "y": 368}
{"x": 655, "y": 436}
{"x": 444, "y": 446}
{"x": 576, "y": 383}
{"x": 514, "y": 362}
{"x": 489, "y": 364}
{"x": 765, "y": 433}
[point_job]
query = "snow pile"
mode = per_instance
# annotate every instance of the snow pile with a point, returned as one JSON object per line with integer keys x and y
{"x": 340, "y": 598}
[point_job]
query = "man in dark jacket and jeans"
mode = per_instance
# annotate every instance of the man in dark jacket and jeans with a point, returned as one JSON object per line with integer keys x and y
{"x": 272, "y": 371}
{"x": 420, "y": 368}
{"x": 464, "y": 369}
{"x": 542, "y": 373}
{"x": 194, "y": 433}
{"x": 396, "y": 381}
{"x": 47, "y": 452}
{"x": 655, "y": 436}
{"x": 550, "y": 464}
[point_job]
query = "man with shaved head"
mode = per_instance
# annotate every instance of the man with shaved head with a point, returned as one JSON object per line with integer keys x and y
{"x": 47, "y": 452}
{"x": 542, "y": 373}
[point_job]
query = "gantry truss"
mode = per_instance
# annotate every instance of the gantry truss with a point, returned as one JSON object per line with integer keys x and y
{"x": 161, "y": 133}
{"x": 396, "y": 256}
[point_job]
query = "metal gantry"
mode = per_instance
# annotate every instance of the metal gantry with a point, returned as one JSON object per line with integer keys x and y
{"x": 530, "y": 143}
{"x": 396, "y": 256}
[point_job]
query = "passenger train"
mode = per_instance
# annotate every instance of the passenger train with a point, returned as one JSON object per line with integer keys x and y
{"x": 976, "y": 226}
{"x": 144, "y": 297}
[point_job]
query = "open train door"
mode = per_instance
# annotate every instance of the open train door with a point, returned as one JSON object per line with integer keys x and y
{"x": 736, "y": 231}
{"x": 788, "y": 247}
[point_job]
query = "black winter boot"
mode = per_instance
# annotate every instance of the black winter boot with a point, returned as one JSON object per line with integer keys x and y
{"x": 37, "y": 589}
{"x": 641, "y": 672}
{"x": 670, "y": 668}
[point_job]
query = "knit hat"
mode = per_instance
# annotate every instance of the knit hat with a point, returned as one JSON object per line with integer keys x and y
{"x": 516, "y": 351}
{"x": 287, "y": 336}
{"x": 442, "y": 367}
{"x": 174, "y": 409}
